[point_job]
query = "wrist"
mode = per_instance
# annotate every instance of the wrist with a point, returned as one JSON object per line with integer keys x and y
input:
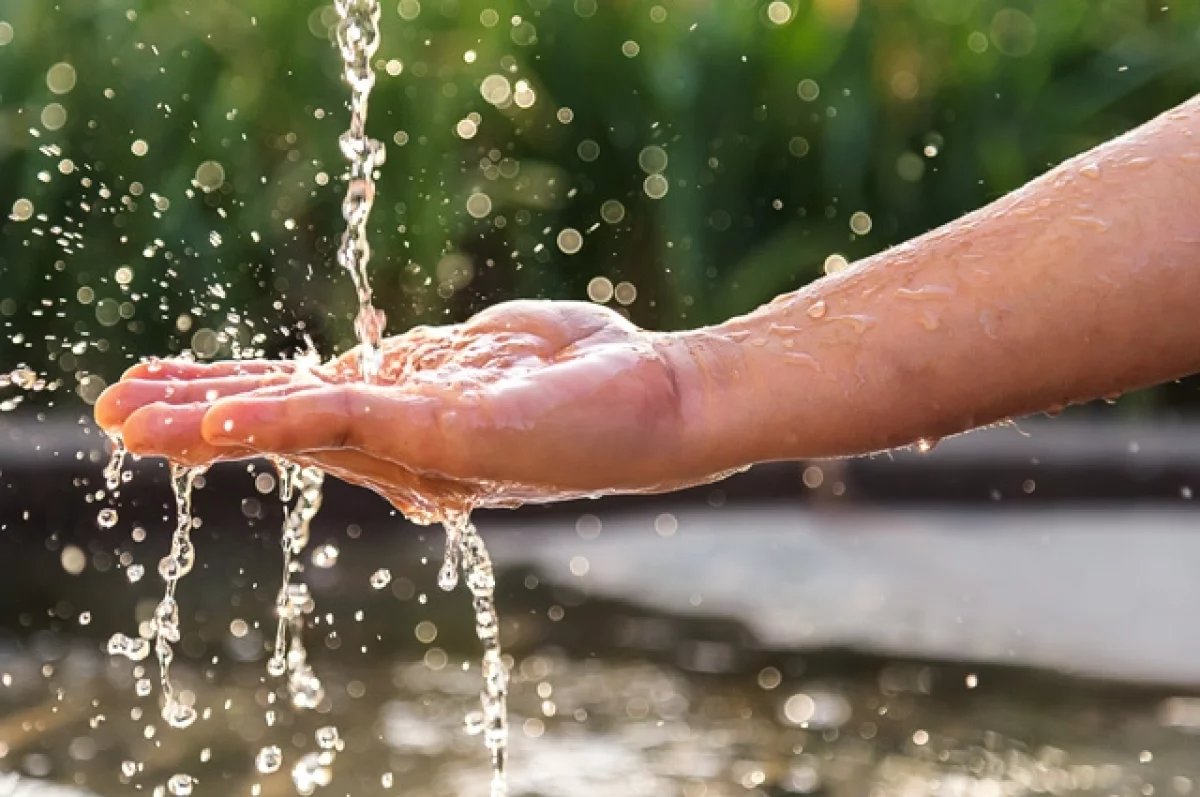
{"x": 750, "y": 390}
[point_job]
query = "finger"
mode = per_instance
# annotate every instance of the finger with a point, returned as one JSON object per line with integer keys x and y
{"x": 173, "y": 431}
{"x": 409, "y": 430}
{"x": 285, "y": 420}
{"x": 186, "y": 369}
{"x": 124, "y": 398}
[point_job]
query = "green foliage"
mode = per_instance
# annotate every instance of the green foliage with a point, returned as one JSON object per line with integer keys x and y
{"x": 923, "y": 110}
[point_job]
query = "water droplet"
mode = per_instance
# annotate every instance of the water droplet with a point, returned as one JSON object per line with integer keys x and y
{"x": 1091, "y": 170}
{"x": 381, "y": 578}
{"x": 779, "y": 12}
{"x": 328, "y": 738}
{"x": 925, "y": 445}
{"x": 134, "y": 573}
{"x": 178, "y": 715}
{"x": 325, "y": 556}
{"x": 816, "y": 309}
{"x": 570, "y": 241}
{"x": 134, "y": 649}
{"x": 106, "y": 518}
{"x": 655, "y": 186}
{"x": 268, "y": 760}
{"x": 473, "y": 723}
{"x": 181, "y": 785}
{"x": 612, "y": 211}
{"x": 309, "y": 773}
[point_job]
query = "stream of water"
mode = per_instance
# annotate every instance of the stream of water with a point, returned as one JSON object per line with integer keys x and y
{"x": 358, "y": 39}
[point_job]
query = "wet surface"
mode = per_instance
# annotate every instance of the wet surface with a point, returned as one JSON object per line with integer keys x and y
{"x": 726, "y": 651}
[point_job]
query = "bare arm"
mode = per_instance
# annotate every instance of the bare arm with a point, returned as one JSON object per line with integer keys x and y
{"x": 1083, "y": 284}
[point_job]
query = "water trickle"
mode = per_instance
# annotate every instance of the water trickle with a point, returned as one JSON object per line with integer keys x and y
{"x": 925, "y": 293}
{"x": 1144, "y": 162}
{"x": 448, "y": 575}
{"x": 358, "y": 40}
{"x": 481, "y": 581}
{"x": 859, "y": 323}
{"x": 293, "y": 601}
{"x": 1092, "y": 223}
{"x": 284, "y": 471}
{"x": 173, "y": 567}
{"x": 116, "y": 462}
{"x": 107, "y": 517}
{"x": 797, "y": 358}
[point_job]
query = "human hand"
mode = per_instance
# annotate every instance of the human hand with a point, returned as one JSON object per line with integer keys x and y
{"x": 527, "y": 401}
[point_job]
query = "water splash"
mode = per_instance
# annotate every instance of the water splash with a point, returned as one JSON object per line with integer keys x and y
{"x": 358, "y": 40}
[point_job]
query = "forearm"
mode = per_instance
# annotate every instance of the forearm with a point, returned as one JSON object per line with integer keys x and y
{"x": 1083, "y": 284}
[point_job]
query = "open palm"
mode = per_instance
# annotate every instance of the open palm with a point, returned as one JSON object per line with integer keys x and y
{"x": 527, "y": 401}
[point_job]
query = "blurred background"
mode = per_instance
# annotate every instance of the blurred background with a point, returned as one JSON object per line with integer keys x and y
{"x": 1012, "y": 613}
{"x": 168, "y": 164}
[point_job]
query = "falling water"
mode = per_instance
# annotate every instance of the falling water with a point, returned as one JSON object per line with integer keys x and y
{"x": 358, "y": 40}
{"x": 294, "y": 602}
{"x": 481, "y": 580}
{"x": 174, "y": 566}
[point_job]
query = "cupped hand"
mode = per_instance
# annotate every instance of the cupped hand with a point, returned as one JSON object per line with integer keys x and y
{"x": 527, "y": 401}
